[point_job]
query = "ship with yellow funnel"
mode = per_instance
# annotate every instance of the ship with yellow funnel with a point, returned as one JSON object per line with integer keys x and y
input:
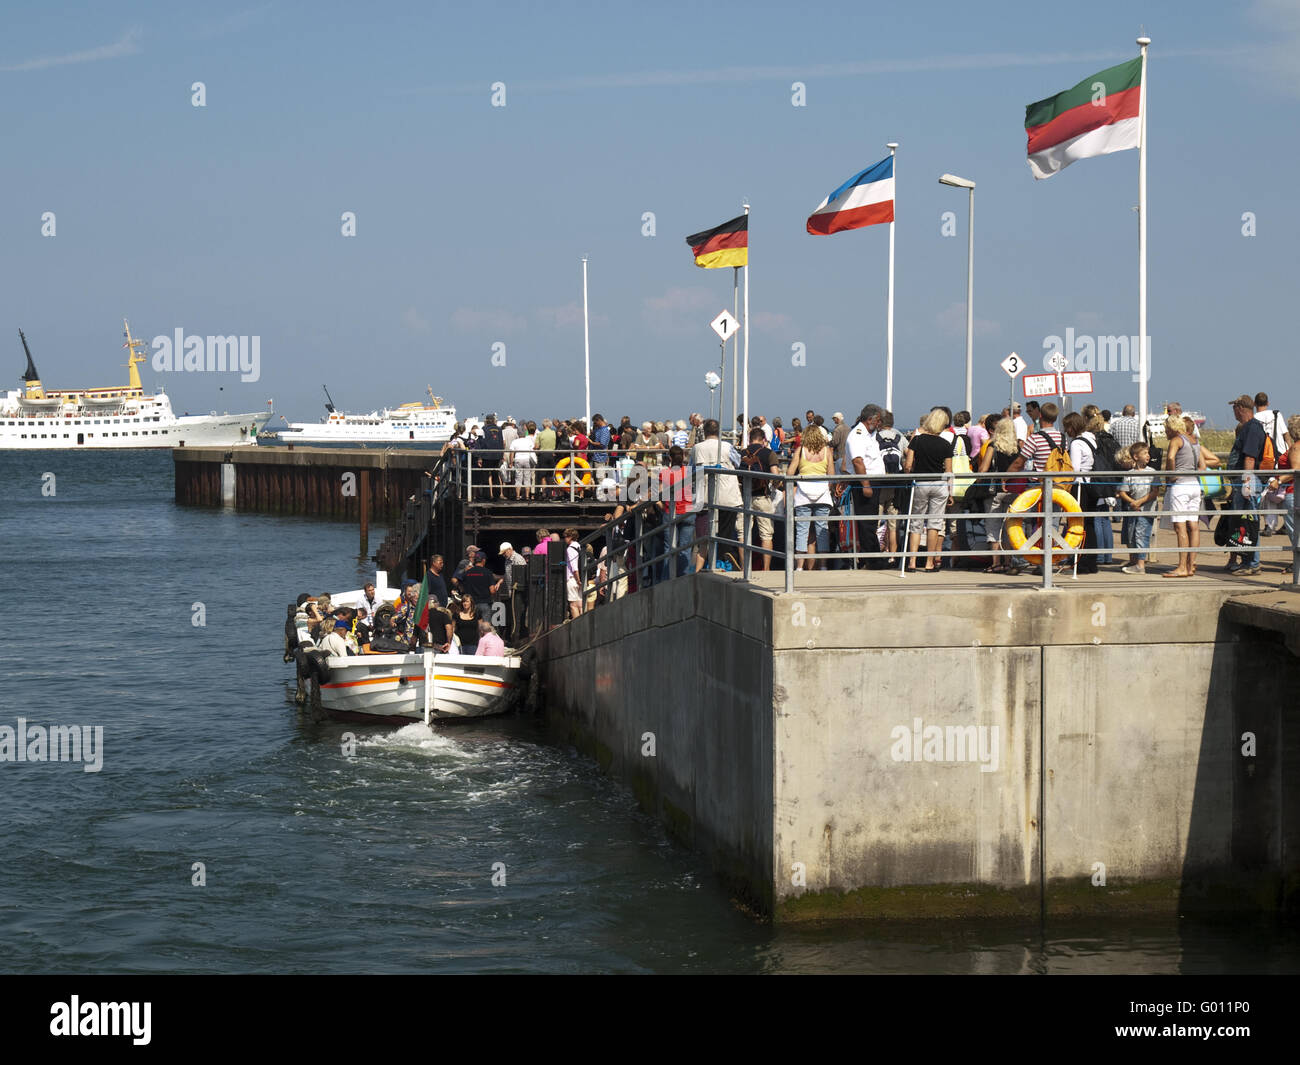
{"x": 119, "y": 417}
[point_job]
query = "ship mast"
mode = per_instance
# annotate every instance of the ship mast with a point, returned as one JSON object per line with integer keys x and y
{"x": 134, "y": 357}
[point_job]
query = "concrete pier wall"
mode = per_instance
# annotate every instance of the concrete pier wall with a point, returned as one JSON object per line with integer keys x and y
{"x": 926, "y": 753}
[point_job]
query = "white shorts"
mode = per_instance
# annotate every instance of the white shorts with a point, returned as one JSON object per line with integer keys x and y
{"x": 572, "y": 593}
{"x": 1184, "y": 500}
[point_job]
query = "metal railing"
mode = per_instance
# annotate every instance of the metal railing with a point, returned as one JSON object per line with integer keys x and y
{"x": 654, "y": 539}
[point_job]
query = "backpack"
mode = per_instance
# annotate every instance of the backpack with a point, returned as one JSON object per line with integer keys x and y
{"x": 1058, "y": 461}
{"x": 754, "y": 463}
{"x": 1268, "y": 457}
{"x": 891, "y": 451}
{"x": 1094, "y": 490}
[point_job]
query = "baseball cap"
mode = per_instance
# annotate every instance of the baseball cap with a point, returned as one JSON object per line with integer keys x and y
{"x": 341, "y": 624}
{"x": 1243, "y": 400}
{"x": 838, "y": 416}
{"x": 505, "y": 546}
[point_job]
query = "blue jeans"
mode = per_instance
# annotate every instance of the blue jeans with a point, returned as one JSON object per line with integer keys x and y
{"x": 677, "y": 535}
{"x": 1140, "y": 536}
{"x": 820, "y": 529}
{"x": 1105, "y": 536}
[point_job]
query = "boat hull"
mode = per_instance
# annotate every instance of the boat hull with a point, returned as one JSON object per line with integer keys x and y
{"x": 69, "y": 434}
{"x": 390, "y": 688}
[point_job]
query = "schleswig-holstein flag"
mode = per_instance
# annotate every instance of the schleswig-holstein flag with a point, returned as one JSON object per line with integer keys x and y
{"x": 866, "y": 199}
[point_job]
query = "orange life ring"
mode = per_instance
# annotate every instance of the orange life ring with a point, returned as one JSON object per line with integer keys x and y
{"x": 578, "y": 462}
{"x": 1062, "y": 502}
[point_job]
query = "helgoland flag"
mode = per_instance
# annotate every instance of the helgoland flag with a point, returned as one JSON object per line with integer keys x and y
{"x": 1098, "y": 116}
{"x": 866, "y": 199}
{"x": 724, "y": 245}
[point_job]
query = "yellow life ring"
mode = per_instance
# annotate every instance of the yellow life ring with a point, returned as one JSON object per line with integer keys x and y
{"x": 1062, "y": 502}
{"x": 579, "y": 463}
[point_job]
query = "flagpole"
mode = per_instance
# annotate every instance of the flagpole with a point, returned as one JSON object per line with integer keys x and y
{"x": 586, "y": 344}
{"x": 1144, "y": 341}
{"x": 735, "y": 346}
{"x": 744, "y": 403}
{"x": 889, "y": 316}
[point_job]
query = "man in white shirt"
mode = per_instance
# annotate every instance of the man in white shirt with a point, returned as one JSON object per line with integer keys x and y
{"x": 1272, "y": 506}
{"x": 862, "y": 457}
{"x": 1022, "y": 426}
{"x": 712, "y": 452}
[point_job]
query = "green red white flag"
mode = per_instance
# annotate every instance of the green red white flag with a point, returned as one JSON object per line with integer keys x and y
{"x": 422, "y": 604}
{"x": 1098, "y": 116}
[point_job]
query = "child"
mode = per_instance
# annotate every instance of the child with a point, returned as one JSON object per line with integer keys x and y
{"x": 1138, "y": 493}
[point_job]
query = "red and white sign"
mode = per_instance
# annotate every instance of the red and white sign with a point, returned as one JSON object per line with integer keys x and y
{"x": 1039, "y": 384}
{"x": 1077, "y": 381}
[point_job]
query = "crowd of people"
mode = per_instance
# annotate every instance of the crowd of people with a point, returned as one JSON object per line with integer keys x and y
{"x": 959, "y": 478}
{"x": 964, "y": 483}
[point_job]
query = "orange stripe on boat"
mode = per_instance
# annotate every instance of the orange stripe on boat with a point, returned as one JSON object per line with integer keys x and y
{"x": 420, "y": 676}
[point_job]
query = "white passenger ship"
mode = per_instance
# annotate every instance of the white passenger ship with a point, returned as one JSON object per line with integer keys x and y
{"x": 122, "y": 416}
{"x": 412, "y": 425}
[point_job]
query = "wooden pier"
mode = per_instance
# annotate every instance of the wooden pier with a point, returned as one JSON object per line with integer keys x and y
{"x": 424, "y": 501}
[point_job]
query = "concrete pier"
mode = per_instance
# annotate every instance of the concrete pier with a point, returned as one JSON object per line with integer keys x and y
{"x": 869, "y": 747}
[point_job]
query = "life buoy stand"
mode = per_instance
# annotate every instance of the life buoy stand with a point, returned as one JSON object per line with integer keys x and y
{"x": 577, "y": 463}
{"x": 1063, "y": 503}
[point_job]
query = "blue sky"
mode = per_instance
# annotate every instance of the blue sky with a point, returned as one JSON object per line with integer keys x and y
{"x": 472, "y": 219}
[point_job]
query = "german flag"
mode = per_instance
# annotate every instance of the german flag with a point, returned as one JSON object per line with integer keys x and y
{"x": 724, "y": 245}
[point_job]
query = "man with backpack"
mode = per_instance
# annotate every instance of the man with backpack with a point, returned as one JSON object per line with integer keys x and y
{"x": 1250, "y": 446}
{"x": 892, "y": 444}
{"x": 759, "y": 458}
{"x": 1271, "y": 506}
{"x": 1042, "y": 451}
{"x": 489, "y": 449}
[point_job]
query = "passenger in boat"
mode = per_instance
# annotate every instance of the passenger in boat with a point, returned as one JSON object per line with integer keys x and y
{"x": 465, "y": 621}
{"x": 339, "y": 643}
{"x": 462, "y": 566}
{"x": 370, "y": 602}
{"x": 489, "y": 643}
{"x": 437, "y": 583}
{"x": 441, "y": 629}
{"x": 482, "y": 584}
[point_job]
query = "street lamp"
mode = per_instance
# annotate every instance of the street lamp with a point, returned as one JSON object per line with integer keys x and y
{"x": 963, "y": 183}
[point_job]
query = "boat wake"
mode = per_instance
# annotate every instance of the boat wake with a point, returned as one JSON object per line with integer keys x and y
{"x": 417, "y": 736}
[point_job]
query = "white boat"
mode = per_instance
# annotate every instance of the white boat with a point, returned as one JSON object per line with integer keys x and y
{"x": 390, "y": 688}
{"x": 117, "y": 417}
{"x": 411, "y": 425}
{"x": 1156, "y": 422}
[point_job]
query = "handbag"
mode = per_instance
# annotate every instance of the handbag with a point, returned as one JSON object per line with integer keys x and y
{"x": 961, "y": 466}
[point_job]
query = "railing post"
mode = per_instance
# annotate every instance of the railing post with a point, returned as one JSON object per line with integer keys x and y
{"x": 1045, "y": 541}
{"x": 469, "y": 477}
{"x": 788, "y": 503}
{"x": 1295, "y": 544}
{"x": 712, "y": 512}
{"x": 747, "y": 523}
{"x": 573, "y": 473}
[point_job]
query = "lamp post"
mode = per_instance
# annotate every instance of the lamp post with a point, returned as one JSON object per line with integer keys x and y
{"x": 963, "y": 183}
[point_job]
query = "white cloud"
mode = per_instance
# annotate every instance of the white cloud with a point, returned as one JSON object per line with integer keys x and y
{"x": 566, "y": 315}
{"x": 127, "y": 44}
{"x": 473, "y": 320}
{"x": 771, "y": 322}
{"x": 415, "y": 321}
{"x": 952, "y": 320}
{"x": 1277, "y": 63}
{"x": 682, "y": 310}
{"x": 892, "y": 65}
